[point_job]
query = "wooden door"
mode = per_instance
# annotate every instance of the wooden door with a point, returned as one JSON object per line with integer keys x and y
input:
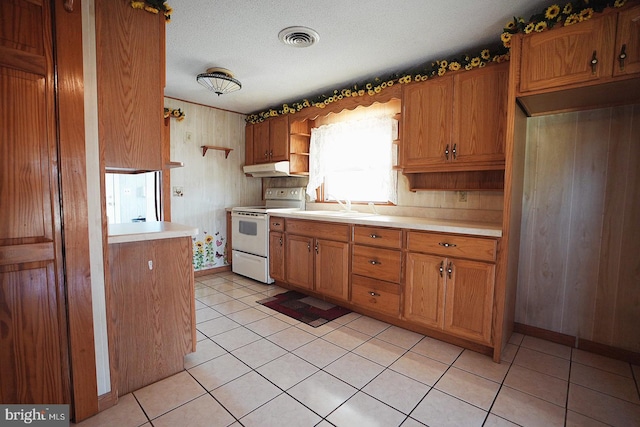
{"x": 130, "y": 58}
{"x": 33, "y": 342}
{"x": 424, "y": 290}
{"x": 469, "y": 299}
{"x": 480, "y": 116}
{"x": 299, "y": 258}
{"x": 261, "y": 142}
{"x": 332, "y": 268}
{"x": 563, "y": 56}
{"x": 276, "y": 255}
{"x": 279, "y": 139}
{"x": 427, "y": 122}
{"x": 628, "y": 37}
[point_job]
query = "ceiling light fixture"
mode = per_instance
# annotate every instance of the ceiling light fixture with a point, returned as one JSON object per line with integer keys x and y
{"x": 298, "y": 36}
{"x": 219, "y": 80}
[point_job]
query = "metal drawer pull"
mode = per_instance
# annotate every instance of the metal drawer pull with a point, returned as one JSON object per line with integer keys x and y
{"x": 374, "y": 236}
{"x": 374, "y": 262}
{"x": 374, "y": 294}
{"x": 276, "y": 224}
{"x": 447, "y": 245}
{"x": 594, "y": 62}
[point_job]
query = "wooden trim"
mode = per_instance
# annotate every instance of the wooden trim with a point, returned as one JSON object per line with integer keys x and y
{"x": 73, "y": 181}
{"x": 107, "y": 400}
{"x": 545, "y": 334}
{"x": 212, "y": 271}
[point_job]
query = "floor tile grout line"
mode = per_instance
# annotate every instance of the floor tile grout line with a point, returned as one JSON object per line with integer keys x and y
{"x": 495, "y": 398}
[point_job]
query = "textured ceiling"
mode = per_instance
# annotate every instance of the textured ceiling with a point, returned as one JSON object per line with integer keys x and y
{"x": 358, "y": 39}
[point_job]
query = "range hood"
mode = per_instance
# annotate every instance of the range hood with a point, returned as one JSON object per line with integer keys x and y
{"x": 266, "y": 170}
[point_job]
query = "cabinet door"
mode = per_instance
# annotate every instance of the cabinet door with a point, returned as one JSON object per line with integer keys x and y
{"x": 563, "y": 56}
{"x": 248, "y": 145}
{"x": 130, "y": 68}
{"x": 469, "y": 299}
{"x": 33, "y": 337}
{"x": 279, "y": 139}
{"x": 628, "y": 37}
{"x": 332, "y": 268}
{"x": 427, "y": 122}
{"x": 299, "y": 252}
{"x": 424, "y": 290}
{"x": 480, "y": 115}
{"x": 276, "y": 255}
{"x": 261, "y": 142}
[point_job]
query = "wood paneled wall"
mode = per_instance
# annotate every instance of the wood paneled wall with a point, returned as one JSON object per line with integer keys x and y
{"x": 579, "y": 270}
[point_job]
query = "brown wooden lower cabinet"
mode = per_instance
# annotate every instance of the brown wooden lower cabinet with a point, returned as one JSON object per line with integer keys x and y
{"x": 153, "y": 305}
{"x": 451, "y": 294}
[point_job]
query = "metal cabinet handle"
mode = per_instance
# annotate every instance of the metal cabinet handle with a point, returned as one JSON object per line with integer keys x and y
{"x": 281, "y": 241}
{"x": 594, "y": 62}
{"x": 266, "y": 154}
{"x": 374, "y": 294}
{"x": 271, "y": 153}
{"x": 276, "y": 224}
{"x": 309, "y": 247}
{"x": 441, "y": 268}
{"x": 317, "y": 247}
{"x": 454, "y": 151}
{"x": 374, "y": 236}
{"x": 622, "y": 56}
{"x": 450, "y": 269}
{"x": 447, "y": 245}
{"x": 374, "y": 262}
{"x": 446, "y": 152}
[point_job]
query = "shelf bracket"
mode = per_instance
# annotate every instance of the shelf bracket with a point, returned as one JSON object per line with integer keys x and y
{"x": 213, "y": 147}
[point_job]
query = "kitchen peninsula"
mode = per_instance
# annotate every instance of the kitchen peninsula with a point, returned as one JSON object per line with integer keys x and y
{"x": 151, "y": 302}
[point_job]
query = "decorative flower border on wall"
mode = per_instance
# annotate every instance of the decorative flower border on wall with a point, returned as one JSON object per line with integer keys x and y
{"x": 154, "y": 6}
{"x": 572, "y": 13}
{"x": 174, "y": 113}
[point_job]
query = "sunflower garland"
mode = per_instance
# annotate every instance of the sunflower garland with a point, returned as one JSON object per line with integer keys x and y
{"x": 573, "y": 12}
{"x": 174, "y": 113}
{"x": 154, "y": 6}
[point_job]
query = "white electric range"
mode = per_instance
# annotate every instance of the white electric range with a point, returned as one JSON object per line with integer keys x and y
{"x": 250, "y": 231}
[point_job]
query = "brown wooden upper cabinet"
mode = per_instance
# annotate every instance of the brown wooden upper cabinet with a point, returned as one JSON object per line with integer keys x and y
{"x": 595, "y": 50}
{"x": 130, "y": 58}
{"x": 271, "y": 140}
{"x": 456, "y": 122}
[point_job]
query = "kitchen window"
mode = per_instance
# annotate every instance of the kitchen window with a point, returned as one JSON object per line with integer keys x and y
{"x": 354, "y": 160}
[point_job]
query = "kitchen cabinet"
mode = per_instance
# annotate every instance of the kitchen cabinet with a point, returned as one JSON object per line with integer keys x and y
{"x": 591, "y": 52}
{"x": 445, "y": 291}
{"x": 271, "y": 140}
{"x": 130, "y": 54}
{"x": 317, "y": 256}
{"x": 376, "y": 269}
{"x": 152, "y": 301}
{"x": 456, "y": 122}
{"x": 276, "y": 248}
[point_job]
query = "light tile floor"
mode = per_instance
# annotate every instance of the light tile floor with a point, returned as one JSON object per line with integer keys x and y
{"x": 256, "y": 367}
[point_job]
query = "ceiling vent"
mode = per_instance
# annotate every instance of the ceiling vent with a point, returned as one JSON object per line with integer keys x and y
{"x": 298, "y": 36}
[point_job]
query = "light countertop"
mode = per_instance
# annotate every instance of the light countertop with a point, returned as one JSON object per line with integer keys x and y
{"x": 140, "y": 231}
{"x": 414, "y": 223}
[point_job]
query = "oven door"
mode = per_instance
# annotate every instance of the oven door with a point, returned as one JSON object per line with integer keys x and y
{"x": 250, "y": 233}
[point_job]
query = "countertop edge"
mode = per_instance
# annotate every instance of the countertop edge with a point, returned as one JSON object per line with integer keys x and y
{"x": 410, "y": 223}
{"x": 143, "y": 231}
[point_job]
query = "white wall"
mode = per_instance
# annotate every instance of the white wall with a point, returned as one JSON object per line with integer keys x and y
{"x": 212, "y": 183}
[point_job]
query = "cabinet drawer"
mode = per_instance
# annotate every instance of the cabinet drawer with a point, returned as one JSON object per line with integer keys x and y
{"x": 452, "y": 245}
{"x": 374, "y": 236}
{"x": 375, "y": 295}
{"x": 276, "y": 223}
{"x": 325, "y": 230}
{"x": 383, "y": 264}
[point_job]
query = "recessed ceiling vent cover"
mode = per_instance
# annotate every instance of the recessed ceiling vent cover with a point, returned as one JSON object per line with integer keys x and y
{"x": 298, "y": 36}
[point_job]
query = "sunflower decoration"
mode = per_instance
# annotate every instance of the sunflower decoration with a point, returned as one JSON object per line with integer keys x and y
{"x": 174, "y": 113}
{"x": 569, "y": 14}
{"x": 154, "y": 6}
